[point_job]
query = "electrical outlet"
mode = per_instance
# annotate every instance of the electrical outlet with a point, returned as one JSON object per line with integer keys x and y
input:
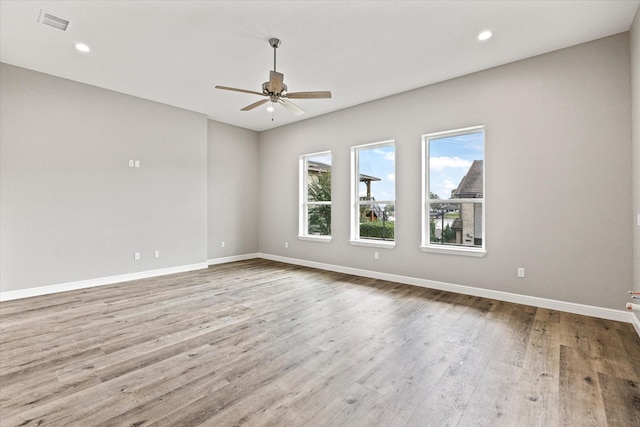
{"x": 136, "y": 255}
{"x": 131, "y": 163}
{"x": 376, "y": 255}
{"x": 137, "y": 163}
{"x": 156, "y": 254}
{"x": 222, "y": 244}
{"x": 520, "y": 272}
{"x": 286, "y": 244}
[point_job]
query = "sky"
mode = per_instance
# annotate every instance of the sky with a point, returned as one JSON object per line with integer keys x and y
{"x": 379, "y": 162}
{"x": 450, "y": 159}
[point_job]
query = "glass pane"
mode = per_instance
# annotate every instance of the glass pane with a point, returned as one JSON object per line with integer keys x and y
{"x": 376, "y": 172}
{"x": 457, "y": 224}
{"x": 319, "y": 178}
{"x": 377, "y": 221}
{"x": 456, "y": 166}
{"x": 319, "y": 220}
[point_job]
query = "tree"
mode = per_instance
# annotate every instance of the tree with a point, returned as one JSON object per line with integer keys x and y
{"x": 320, "y": 215}
{"x": 435, "y": 206}
{"x": 448, "y": 235}
{"x": 432, "y": 231}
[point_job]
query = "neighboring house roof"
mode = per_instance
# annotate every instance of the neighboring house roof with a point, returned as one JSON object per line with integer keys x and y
{"x": 457, "y": 224}
{"x": 317, "y": 166}
{"x": 471, "y": 186}
{"x": 364, "y": 178}
{"x": 323, "y": 167}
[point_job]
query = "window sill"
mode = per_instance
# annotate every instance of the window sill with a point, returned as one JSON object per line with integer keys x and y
{"x": 452, "y": 250}
{"x": 374, "y": 243}
{"x": 309, "y": 238}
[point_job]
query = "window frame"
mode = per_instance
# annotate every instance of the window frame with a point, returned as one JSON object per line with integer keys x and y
{"x": 355, "y": 238}
{"x": 426, "y": 244}
{"x": 304, "y": 203}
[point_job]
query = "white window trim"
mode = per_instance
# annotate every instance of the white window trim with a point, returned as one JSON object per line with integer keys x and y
{"x": 385, "y": 244}
{"x": 311, "y": 238}
{"x": 454, "y": 250}
{"x": 426, "y": 245}
{"x": 355, "y": 199}
{"x": 303, "y": 202}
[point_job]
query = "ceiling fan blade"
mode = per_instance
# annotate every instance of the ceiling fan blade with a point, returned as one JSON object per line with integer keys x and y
{"x": 276, "y": 81}
{"x": 239, "y": 90}
{"x": 254, "y": 105}
{"x": 309, "y": 95}
{"x": 291, "y": 107}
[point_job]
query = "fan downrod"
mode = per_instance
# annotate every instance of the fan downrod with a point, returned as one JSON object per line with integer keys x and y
{"x": 274, "y": 44}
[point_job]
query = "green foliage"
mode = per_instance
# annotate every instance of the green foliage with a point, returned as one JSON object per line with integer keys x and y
{"x": 449, "y": 235}
{"x": 374, "y": 229}
{"x": 320, "y": 187}
{"x": 319, "y": 190}
{"x": 432, "y": 231}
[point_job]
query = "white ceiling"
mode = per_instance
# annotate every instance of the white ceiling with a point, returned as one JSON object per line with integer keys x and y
{"x": 175, "y": 52}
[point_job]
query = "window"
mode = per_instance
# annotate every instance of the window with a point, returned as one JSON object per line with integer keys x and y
{"x": 453, "y": 192}
{"x": 315, "y": 197}
{"x": 373, "y": 194}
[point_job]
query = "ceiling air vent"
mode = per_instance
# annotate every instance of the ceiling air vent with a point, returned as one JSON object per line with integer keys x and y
{"x": 53, "y": 21}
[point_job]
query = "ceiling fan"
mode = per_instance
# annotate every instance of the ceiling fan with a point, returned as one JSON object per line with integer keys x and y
{"x": 276, "y": 91}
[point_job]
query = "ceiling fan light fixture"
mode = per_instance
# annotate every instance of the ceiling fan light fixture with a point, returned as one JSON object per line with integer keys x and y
{"x": 270, "y": 108}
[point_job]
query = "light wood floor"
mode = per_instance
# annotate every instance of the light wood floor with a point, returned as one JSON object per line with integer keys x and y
{"x": 264, "y": 343}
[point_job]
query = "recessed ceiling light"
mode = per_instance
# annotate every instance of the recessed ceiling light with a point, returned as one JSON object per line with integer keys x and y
{"x": 485, "y": 35}
{"x": 82, "y": 47}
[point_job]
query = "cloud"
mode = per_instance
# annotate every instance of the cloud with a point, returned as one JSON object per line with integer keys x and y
{"x": 391, "y": 176}
{"x": 438, "y": 164}
{"x": 449, "y": 185}
{"x": 443, "y": 188}
{"x": 387, "y": 155}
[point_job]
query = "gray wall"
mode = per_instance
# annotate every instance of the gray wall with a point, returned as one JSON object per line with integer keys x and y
{"x": 635, "y": 83}
{"x": 233, "y": 190}
{"x": 71, "y": 208}
{"x": 558, "y": 176}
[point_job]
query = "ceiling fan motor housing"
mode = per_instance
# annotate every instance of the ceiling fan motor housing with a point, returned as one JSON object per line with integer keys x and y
{"x": 267, "y": 90}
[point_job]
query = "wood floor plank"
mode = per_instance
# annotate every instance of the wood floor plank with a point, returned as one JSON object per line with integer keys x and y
{"x": 262, "y": 343}
{"x": 621, "y": 400}
{"x": 581, "y": 400}
{"x": 495, "y": 398}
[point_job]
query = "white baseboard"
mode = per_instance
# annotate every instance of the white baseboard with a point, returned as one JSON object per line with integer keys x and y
{"x": 234, "y": 258}
{"x": 635, "y": 321}
{"x": 72, "y": 286}
{"x": 569, "y": 307}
